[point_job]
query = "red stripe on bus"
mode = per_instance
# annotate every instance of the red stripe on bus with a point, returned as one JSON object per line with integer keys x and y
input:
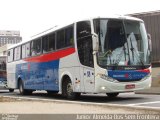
{"x": 145, "y": 70}
{"x": 51, "y": 56}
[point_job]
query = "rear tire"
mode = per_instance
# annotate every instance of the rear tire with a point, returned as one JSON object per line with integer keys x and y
{"x": 67, "y": 90}
{"x": 11, "y": 90}
{"x": 22, "y": 90}
{"x": 51, "y": 92}
{"x": 112, "y": 95}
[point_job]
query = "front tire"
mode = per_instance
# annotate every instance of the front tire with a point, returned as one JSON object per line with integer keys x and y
{"x": 11, "y": 90}
{"x": 51, "y": 92}
{"x": 67, "y": 90}
{"x": 112, "y": 95}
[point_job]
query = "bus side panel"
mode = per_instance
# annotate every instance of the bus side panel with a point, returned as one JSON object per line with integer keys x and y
{"x": 70, "y": 66}
{"x": 39, "y": 75}
{"x": 51, "y": 75}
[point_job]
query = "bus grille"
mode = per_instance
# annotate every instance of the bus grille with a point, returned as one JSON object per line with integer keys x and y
{"x": 129, "y": 80}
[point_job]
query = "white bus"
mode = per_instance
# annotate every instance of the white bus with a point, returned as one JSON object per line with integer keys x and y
{"x": 100, "y": 55}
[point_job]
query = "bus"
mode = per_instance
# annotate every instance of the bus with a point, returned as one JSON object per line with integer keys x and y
{"x": 107, "y": 55}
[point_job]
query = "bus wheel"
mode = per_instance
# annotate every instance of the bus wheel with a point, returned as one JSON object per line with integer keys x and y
{"x": 112, "y": 95}
{"x": 51, "y": 92}
{"x": 11, "y": 90}
{"x": 68, "y": 90}
{"x": 22, "y": 90}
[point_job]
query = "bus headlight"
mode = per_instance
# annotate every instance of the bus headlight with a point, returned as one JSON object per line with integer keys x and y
{"x": 105, "y": 77}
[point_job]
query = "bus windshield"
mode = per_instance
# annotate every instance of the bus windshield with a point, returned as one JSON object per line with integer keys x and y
{"x": 122, "y": 42}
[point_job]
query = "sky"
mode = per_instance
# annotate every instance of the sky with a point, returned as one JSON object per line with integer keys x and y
{"x": 31, "y": 17}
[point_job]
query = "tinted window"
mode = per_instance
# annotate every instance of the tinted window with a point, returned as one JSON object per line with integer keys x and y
{"x": 65, "y": 37}
{"x": 48, "y": 43}
{"x": 69, "y": 36}
{"x": 36, "y": 47}
{"x": 83, "y": 29}
{"x": 84, "y": 43}
{"x": 45, "y": 42}
{"x": 85, "y": 51}
{"x": 17, "y": 53}
{"x": 27, "y": 49}
{"x": 10, "y": 55}
{"x": 60, "y": 39}
{"x": 23, "y": 51}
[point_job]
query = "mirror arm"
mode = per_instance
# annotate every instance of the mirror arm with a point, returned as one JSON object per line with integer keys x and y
{"x": 95, "y": 42}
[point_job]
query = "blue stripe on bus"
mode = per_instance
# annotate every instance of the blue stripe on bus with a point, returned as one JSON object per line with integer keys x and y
{"x": 39, "y": 75}
{"x": 127, "y": 74}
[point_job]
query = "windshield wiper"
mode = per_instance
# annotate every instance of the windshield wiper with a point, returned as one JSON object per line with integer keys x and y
{"x": 133, "y": 51}
{"x": 125, "y": 54}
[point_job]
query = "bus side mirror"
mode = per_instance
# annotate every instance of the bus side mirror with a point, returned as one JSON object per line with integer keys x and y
{"x": 95, "y": 42}
{"x": 149, "y": 42}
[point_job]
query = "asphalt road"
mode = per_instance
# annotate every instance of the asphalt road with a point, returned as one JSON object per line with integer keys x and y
{"x": 127, "y": 99}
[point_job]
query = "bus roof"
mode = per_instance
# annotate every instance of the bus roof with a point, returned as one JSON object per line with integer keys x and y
{"x": 55, "y": 28}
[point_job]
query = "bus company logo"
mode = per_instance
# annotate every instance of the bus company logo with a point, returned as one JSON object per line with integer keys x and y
{"x": 116, "y": 76}
{"x": 128, "y": 76}
{"x": 130, "y": 68}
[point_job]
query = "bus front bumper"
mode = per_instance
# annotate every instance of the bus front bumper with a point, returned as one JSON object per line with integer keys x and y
{"x": 105, "y": 86}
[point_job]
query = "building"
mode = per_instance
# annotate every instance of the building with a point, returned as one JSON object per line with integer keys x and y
{"x": 9, "y": 37}
{"x": 3, "y": 49}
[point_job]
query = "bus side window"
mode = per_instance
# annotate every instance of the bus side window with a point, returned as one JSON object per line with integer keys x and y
{"x": 36, "y": 47}
{"x": 84, "y": 43}
{"x": 23, "y": 51}
{"x": 83, "y": 29}
{"x": 10, "y": 55}
{"x": 27, "y": 49}
{"x": 51, "y": 43}
{"x": 45, "y": 41}
{"x": 17, "y": 53}
{"x": 69, "y": 41}
{"x": 48, "y": 43}
{"x": 60, "y": 39}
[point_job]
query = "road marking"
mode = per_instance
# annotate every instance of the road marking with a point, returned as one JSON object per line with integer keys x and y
{"x": 143, "y": 103}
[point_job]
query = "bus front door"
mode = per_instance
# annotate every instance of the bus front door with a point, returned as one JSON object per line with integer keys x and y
{"x": 88, "y": 75}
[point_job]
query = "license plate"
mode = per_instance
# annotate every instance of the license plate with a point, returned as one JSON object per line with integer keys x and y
{"x": 131, "y": 86}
